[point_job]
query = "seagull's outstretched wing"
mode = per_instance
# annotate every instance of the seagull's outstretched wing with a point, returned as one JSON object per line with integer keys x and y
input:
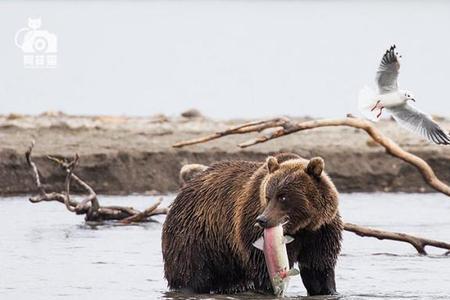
{"x": 387, "y": 73}
{"x": 419, "y": 122}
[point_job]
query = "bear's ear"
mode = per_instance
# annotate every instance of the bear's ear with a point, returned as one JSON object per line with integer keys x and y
{"x": 315, "y": 166}
{"x": 272, "y": 164}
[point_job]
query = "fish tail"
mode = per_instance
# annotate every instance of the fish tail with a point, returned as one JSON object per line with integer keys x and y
{"x": 293, "y": 272}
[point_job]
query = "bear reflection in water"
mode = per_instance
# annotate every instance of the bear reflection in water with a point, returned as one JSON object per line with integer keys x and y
{"x": 208, "y": 234}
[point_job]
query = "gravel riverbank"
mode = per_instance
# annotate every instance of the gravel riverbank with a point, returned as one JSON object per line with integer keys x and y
{"x": 123, "y": 155}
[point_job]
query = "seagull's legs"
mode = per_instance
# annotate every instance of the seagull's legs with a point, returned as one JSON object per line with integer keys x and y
{"x": 381, "y": 110}
{"x": 376, "y": 105}
{"x": 380, "y": 106}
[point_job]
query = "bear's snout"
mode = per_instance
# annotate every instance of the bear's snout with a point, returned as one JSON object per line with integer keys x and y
{"x": 262, "y": 221}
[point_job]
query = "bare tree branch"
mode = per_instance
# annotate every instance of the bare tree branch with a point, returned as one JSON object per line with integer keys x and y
{"x": 256, "y": 126}
{"x": 43, "y": 195}
{"x": 69, "y": 169}
{"x": 151, "y": 211}
{"x": 287, "y": 127}
{"x": 92, "y": 196}
{"x": 35, "y": 170}
{"x": 90, "y": 205}
{"x": 417, "y": 242}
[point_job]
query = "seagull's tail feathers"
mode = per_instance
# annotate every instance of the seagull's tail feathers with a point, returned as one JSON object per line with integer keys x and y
{"x": 366, "y": 102}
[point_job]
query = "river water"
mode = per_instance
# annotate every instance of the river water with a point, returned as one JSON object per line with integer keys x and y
{"x": 48, "y": 253}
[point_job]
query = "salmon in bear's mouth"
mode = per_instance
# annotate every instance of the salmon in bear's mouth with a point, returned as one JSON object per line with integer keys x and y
{"x": 273, "y": 244}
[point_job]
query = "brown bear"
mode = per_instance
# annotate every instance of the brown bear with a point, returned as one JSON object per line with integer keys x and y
{"x": 208, "y": 233}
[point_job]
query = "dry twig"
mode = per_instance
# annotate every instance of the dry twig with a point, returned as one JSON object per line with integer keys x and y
{"x": 90, "y": 205}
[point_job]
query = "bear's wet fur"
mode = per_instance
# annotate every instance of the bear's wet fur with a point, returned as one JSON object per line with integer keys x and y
{"x": 208, "y": 233}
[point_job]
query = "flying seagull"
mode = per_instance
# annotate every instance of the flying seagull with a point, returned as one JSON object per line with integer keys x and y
{"x": 396, "y": 101}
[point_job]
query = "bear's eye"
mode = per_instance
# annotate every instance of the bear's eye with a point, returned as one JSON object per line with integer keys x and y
{"x": 282, "y": 198}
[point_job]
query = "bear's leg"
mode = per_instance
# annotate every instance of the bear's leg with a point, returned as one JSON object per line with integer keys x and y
{"x": 318, "y": 282}
{"x": 318, "y": 255}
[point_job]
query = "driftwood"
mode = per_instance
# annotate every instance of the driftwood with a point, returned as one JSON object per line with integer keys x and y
{"x": 417, "y": 242}
{"x": 284, "y": 126}
{"x": 89, "y": 206}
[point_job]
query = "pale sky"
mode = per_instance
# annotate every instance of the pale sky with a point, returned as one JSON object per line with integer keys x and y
{"x": 226, "y": 58}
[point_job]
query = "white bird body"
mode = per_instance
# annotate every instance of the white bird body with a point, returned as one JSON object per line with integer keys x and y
{"x": 391, "y": 99}
{"x": 395, "y": 101}
{"x": 370, "y": 102}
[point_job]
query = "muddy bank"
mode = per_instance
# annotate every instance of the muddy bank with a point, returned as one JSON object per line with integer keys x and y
{"x": 123, "y": 155}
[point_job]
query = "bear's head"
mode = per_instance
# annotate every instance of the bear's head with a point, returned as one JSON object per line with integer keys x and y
{"x": 297, "y": 191}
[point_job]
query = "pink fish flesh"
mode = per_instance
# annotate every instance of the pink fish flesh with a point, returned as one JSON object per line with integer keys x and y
{"x": 275, "y": 253}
